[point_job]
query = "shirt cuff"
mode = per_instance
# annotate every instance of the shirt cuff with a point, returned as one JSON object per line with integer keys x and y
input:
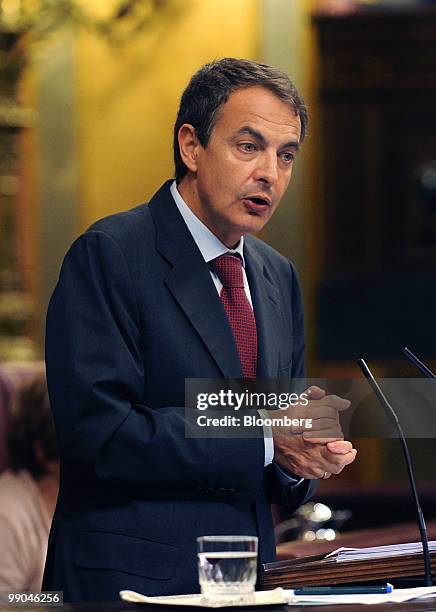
{"x": 268, "y": 439}
{"x": 285, "y": 478}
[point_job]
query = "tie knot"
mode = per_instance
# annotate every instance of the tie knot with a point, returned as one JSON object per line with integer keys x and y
{"x": 228, "y": 268}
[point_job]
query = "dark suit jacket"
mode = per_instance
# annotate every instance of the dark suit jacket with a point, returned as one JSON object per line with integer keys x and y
{"x": 135, "y": 312}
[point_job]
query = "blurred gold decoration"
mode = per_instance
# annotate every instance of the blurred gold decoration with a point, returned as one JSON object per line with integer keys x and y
{"x": 25, "y": 24}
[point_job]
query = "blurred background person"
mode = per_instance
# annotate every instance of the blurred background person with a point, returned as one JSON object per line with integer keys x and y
{"x": 28, "y": 488}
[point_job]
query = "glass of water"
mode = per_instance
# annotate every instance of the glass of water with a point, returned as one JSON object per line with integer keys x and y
{"x": 227, "y": 568}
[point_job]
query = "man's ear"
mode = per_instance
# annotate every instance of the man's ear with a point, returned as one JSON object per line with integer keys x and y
{"x": 188, "y": 146}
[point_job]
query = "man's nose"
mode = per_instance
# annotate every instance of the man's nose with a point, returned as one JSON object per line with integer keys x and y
{"x": 267, "y": 170}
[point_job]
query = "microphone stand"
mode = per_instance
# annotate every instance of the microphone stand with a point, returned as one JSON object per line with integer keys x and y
{"x": 394, "y": 419}
{"x": 418, "y": 363}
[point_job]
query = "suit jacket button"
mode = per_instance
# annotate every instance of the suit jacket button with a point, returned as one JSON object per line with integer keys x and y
{"x": 211, "y": 490}
{"x": 222, "y": 491}
{"x": 232, "y": 491}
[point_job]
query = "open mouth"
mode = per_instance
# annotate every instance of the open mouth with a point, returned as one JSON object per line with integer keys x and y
{"x": 256, "y": 205}
{"x": 257, "y": 202}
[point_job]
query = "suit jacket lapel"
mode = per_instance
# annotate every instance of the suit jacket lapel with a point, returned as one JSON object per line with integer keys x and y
{"x": 266, "y": 305}
{"x": 191, "y": 284}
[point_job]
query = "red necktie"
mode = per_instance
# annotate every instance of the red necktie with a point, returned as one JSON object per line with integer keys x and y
{"x": 238, "y": 309}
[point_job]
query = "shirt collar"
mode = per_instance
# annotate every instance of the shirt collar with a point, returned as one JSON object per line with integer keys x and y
{"x": 210, "y": 246}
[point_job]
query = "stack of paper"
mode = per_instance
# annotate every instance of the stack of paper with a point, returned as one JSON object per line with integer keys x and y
{"x": 397, "y": 596}
{"x": 379, "y": 552}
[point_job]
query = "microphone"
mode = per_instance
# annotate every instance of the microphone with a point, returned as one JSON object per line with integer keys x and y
{"x": 418, "y": 363}
{"x": 394, "y": 419}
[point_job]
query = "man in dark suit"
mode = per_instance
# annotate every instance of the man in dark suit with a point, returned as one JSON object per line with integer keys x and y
{"x": 137, "y": 310}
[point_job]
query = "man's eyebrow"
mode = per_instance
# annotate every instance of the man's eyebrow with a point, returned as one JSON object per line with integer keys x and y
{"x": 246, "y": 129}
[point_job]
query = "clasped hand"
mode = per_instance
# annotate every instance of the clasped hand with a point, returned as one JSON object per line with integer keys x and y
{"x": 319, "y": 451}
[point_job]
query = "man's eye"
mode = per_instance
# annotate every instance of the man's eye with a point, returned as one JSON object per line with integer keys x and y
{"x": 288, "y": 157}
{"x": 248, "y": 147}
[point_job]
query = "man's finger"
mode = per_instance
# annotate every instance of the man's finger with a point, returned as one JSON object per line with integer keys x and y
{"x": 339, "y": 447}
{"x": 323, "y": 424}
{"x": 336, "y": 402}
{"x": 335, "y": 463}
{"x": 315, "y": 392}
{"x": 322, "y": 440}
{"x": 320, "y": 410}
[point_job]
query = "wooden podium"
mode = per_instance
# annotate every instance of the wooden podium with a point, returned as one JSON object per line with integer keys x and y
{"x": 312, "y": 567}
{"x": 322, "y": 569}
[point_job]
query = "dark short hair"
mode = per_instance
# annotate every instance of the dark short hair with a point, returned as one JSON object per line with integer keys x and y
{"x": 31, "y": 423}
{"x": 210, "y": 88}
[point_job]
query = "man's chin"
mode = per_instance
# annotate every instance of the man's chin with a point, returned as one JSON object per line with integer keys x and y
{"x": 254, "y": 222}
{"x": 246, "y": 224}
{"x": 247, "y": 231}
